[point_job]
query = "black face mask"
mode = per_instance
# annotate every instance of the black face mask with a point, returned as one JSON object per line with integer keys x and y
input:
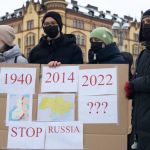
{"x": 95, "y": 46}
{"x": 51, "y": 31}
{"x": 146, "y": 32}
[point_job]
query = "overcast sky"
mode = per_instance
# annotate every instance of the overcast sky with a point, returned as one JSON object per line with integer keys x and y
{"x": 132, "y": 8}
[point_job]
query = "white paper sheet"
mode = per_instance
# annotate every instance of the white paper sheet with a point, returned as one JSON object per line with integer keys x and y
{"x": 59, "y": 79}
{"x": 98, "y": 109}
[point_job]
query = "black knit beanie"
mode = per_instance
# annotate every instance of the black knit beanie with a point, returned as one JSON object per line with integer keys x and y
{"x": 146, "y": 14}
{"x": 55, "y": 16}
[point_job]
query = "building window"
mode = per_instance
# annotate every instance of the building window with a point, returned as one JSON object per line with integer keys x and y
{"x": 83, "y": 40}
{"x": 93, "y": 27}
{"x": 91, "y": 13}
{"x": 80, "y": 39}
{"x": 125, "y": 34}
{"x": 74, "y": 23}
{"x": 19, "y": 42}
{"x": 136, "y": 37}
{"x": 78, "y": 24}
{"x": 75, "y": 8}
{"x": 19, "y": 27}
{"x": 115, "y": 33}
{"x": 30, "y": 40}
{"x": 30, "y": 24}
{"x": 135, "y": 49}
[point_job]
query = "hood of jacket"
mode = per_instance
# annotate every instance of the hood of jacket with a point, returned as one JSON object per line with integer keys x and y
{"x": 64, "y": 39}
{"x": 11, "y": 53}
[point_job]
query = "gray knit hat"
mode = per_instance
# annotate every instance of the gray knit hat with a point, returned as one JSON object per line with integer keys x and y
{"x": 7, "y": 34}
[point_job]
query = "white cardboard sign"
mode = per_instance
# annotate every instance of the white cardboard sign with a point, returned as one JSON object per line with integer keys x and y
{"x": 17, "y": 80}
{"x": 98, "y": 109}
{"x": 59, "y": 79}
{"x": 64, "y": 135}
{"x": 98, "y": 81}
{"x": 26, "y": 136}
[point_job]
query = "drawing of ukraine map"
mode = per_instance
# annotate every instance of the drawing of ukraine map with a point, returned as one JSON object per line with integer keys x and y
{"x": 19, "y": 108}
{"x": 56, "y": 107}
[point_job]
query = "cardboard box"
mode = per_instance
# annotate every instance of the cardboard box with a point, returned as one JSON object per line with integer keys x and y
{"x": 3, "y": 112}
{"x": 3, "y": 139}
{"x": 105, "y": 142}
{"x": 96, "y": 136}
{"x": 122, "y": 126}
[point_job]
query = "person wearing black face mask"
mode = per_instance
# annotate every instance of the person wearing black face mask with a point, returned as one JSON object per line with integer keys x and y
{"x": 52, "y": 31}
{"x": 139, "y": 90}
{"x": 55, "y": 48}
{"x": 103, "y": 50}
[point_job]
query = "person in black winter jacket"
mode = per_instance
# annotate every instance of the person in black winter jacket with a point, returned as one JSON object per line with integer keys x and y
{"x": 139, "y": 90}
{"x": 103, "y": 50}
{"x": 55, "y": 48}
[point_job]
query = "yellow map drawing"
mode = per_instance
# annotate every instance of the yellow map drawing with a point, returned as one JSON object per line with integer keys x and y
{"x": 57, "y": 104}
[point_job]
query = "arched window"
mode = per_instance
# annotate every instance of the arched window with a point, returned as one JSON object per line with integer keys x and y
{"x": 83, "y": 40}
{"x": 78, "y": 39}
{"x": 29, "y": 42}
{"x": 30, "y": 39}
{"x": 79, "y": 24}
{"x": 30, "y": 24}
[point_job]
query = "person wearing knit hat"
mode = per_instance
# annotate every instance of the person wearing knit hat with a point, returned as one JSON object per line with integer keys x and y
{"x": 139, "y": 90}
{"x": 103, "y": 49}
{"x": 56, "y": 16}
{"x": 144, "y": 33}
{"x": 7, "y": 34}
{"x": 102, "y": 34}
{"x": 55, "y": 48}
{"x": 9, "y": 52}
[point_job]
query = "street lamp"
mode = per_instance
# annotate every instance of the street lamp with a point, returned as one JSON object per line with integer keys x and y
{"x": 120, "y": 27}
